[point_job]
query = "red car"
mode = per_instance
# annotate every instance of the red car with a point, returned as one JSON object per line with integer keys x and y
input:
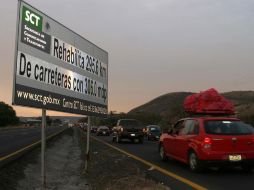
{"x": 209, "y": 141}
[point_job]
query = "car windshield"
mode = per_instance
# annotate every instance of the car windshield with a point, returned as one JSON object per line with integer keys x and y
{"x": 155, "y": 129}
{"x": 224, "y": 127}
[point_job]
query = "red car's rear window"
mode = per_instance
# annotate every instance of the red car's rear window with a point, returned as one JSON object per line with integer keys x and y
{"x": 227, "y": 127}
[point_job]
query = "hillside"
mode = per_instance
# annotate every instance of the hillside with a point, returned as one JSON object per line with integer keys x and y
{"x": 169, "y": 106}
{"x": 244, "y": 104}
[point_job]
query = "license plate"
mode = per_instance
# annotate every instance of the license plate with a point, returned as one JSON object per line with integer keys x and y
{"x": 133, "y": 135}
{"x": 235, "y": 157}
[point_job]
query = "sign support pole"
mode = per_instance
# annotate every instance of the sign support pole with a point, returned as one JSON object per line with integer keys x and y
{"x": 43, "y": 154}
{"x": 87, "y": 142}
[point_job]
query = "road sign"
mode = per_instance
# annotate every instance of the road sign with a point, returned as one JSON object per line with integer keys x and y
{"x": 57, "y": 69}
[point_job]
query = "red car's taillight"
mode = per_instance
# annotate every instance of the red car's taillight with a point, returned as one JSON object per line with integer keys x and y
{"x": 207, "y": 142}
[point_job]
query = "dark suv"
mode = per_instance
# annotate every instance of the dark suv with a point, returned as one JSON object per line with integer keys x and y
{"x": 128, "y": 129}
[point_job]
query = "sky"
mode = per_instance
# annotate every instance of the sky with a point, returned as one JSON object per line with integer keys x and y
{"x": 155, "y": 47}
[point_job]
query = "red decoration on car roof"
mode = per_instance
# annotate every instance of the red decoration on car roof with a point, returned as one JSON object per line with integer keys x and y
{"x": 208, "y": 102}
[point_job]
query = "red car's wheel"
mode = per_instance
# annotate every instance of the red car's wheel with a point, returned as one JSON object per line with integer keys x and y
{"x": 194, "y": 162}
{"x": 162, "y": 153}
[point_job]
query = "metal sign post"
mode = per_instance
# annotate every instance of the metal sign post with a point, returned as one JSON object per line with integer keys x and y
{"x": 87, "y": 142}
{"x": 43, "y": 154}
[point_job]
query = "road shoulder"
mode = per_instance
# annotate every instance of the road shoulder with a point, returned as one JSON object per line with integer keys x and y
{"x": 110, "y": 169}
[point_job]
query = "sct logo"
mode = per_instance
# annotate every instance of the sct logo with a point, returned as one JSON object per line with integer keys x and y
{"x": 32, "y": 19}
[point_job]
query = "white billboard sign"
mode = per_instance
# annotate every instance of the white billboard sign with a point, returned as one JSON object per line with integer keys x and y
{"x": 57, "y": 69}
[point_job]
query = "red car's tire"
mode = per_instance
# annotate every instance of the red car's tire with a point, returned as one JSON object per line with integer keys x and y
{"x": 162, "y": 153}
{"x": 194, "y": 162}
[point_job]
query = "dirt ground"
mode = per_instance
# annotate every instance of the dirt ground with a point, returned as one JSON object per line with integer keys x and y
{"x": 112, "y": 170}
{"x": 108, "y": 168}
{"x": 64, "y": 165}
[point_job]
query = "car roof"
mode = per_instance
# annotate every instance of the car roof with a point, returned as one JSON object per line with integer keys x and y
{"x": 103, "y": 127}
{"x": 152, "y": 126}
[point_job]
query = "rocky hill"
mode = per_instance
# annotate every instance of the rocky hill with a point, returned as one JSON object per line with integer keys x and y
{"x": 169, "y": 106}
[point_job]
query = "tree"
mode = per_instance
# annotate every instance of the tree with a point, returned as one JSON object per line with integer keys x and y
{"x": 83, "y": 120}
{"x": 7, "y": 115}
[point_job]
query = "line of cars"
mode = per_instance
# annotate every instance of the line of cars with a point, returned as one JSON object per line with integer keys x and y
{"x": 133, "y": 130}
{"x": 101, "y": 130}
{"x": 200, "y": 141}
{"x": 128, "y": 129}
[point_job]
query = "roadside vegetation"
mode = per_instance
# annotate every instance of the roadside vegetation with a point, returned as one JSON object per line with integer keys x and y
{"x": 7, "y": 115}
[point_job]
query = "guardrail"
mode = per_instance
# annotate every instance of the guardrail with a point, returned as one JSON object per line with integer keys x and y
{"x": 18, "y": 153}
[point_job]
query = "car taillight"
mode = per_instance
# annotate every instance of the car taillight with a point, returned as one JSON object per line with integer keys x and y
{"x": 207, "y": 142}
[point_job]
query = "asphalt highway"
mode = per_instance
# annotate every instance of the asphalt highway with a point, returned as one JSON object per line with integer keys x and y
{"x": 212, "y": 178}
{"x": 12, "y": 140}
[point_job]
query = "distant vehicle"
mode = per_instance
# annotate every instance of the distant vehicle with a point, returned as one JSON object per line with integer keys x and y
{"x": 93, "y": 129}
{"x": 128, "y": 129}
{"x": 209, "y": 141}
{"x": 70, "y": 125}
{"x": 111, "y": 130}
{"x": 82, "y": 125}
{"x": 153, "y": 132}
{"x": 103, "y": 130}
{"x": 33, "y": 122}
